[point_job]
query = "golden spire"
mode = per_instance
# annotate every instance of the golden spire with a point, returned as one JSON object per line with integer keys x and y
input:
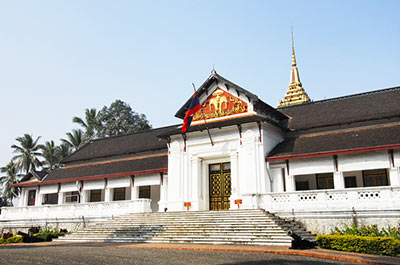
{"x": 296, "y": 93}
{"x": 293, "y": 55}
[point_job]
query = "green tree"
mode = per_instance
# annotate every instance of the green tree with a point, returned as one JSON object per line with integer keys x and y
{"x": 75, "y": 139}
{"x": 27, "y": 153}
{"x": 90, "y": 123}
{"x": 10, "y": 177}
{"x": 50, "y": 155}
{"x": 119, "y": 119}
{"x": 63, "y": 150}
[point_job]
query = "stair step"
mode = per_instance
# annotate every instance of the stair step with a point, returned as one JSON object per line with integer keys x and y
{"x": 134, "y": 240}
{"x": 254, "y": 227}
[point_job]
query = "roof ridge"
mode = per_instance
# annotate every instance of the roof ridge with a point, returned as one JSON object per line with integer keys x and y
{"x": 384, "y": 90}
{"x": 133, "y": 133}
{"x": 109, "y": 138}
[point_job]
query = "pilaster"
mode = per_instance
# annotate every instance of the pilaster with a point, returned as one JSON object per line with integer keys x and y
{"x": 61, "y": 198}
{"x": 234, "y": 178}
{"x": 338, "y": 180}
{"x": 195, "y": 183}
{"x": 290, "y": 183}
{"x": 21, "y": 202}
{"x": 108, "y": 194}
{"x": 39, "y": 198}
{"x": 84, "y": 196}
{"x": 394, "y": 176}
{"x": 134, "y": 192}
{"x": 163, "y": 194}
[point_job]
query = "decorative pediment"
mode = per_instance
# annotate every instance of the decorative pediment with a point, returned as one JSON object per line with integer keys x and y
{"x": 222, "y": 99}
{"x": 220, "y": 104}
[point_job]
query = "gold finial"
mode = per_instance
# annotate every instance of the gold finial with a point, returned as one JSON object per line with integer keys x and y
{"x": 296, "y": 93}
{"x": 293, "y": 55}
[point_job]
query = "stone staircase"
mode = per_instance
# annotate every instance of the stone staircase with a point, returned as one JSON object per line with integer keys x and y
{"x": 255, "y": 227}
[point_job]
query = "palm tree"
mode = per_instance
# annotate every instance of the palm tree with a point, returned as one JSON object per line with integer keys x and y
{"x": 63, "y": 150}
{"x": 75, "y": 139}
{"x": 27, "y": 157}
{"x": 89, "y": 124}
{"x": 50, "y": 154}
{"x": 11, "y": 177}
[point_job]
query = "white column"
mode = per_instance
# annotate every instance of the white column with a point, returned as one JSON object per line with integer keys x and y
{"x": 282, "y": 186}
{"x": 290, "y": 182}
{"x": 175, "y": 172}
{"x": 234, "y": 179}
{"x": 61, "y": 198}
{"x": 39, "y": 198}
{"x": 195, "y": 184}
{"x": 162, "y": 204}
{"x": 394, "y": 176}
{"x": 164, "y": 189}
{"x": 26, "y": 195}
{"x": 185, "y": 178}
{"x": 265, "y": 184}
{"x": 21, "y": 202}
{"x": 338, "y": 180}
{"x": 108, "y": 195}
{"x": 84, "y": 196}
{"x": 134, "y": 192}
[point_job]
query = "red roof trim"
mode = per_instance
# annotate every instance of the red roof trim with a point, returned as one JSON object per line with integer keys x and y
{"x": 143, "y": 172}
{"x": 335, "y": 152}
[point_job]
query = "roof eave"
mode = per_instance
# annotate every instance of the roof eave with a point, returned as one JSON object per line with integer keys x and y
{"x": 333, "y": 152}
{"x": 56, "y": 181}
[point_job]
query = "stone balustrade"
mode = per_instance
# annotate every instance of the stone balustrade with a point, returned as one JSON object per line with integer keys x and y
{"x": 321, "y": 200}
{"x": 92, "y": 209}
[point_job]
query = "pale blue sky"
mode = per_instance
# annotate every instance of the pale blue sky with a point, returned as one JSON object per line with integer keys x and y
{"x": 59, "y": 57}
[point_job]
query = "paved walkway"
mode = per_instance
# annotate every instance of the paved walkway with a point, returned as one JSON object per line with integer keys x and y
{"x": 315, "y": 253}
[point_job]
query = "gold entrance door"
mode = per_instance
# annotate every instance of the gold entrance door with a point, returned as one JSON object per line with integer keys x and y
{"x": 220, "y": 186}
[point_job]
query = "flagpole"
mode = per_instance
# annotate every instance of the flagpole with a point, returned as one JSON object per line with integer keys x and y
{"x": 204, "y": 117}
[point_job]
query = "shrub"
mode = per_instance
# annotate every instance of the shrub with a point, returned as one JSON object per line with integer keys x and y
{"x": 14, "y": 239}
{"x": 368, "y": 230}
{"x": 361, "y": 244}
{"x": 48, "y": 233}
{"x": 7, "y": 235}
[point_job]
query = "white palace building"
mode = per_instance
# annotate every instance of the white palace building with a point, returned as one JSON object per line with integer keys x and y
{"x": 323, "y": 163}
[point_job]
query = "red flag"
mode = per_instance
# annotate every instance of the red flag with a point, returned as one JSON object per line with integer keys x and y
{"x": 193, "y": 108}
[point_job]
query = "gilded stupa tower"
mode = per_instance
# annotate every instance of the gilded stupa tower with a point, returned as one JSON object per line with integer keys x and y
{"x": 295, "y": 93}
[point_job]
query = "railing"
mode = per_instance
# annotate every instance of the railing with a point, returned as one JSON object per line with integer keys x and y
{"x": 346, "y": 199}
{"x": 78, "y": 210}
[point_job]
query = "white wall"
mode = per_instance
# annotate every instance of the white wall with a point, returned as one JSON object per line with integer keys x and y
{"x": 396, "y": 155}
{"x": 363, "y": 161}
{"x": 277, "y": 175}
{"x": 148, "y": 179}
{"x": 119, "y": 182}
{"x": 311, "y": 165}
{"x": 97, "y": 184}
